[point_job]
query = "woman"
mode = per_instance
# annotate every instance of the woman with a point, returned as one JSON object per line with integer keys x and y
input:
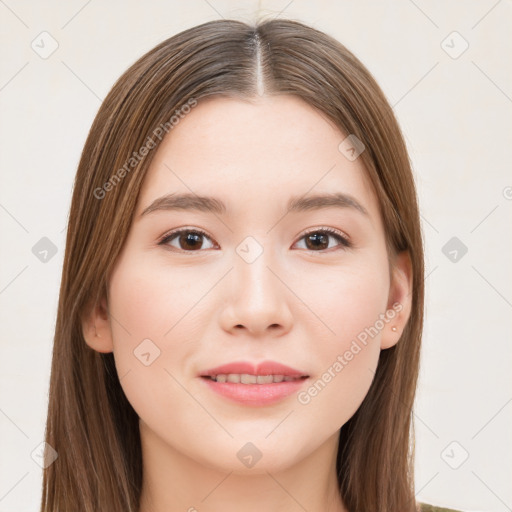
{"x": 241, "y": 305}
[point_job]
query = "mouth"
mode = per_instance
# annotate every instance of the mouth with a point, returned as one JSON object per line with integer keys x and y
{"x": 254, "y": 385}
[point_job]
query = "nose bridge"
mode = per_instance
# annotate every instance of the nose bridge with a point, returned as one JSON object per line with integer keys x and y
{"x": 258, "y": 297}
{"x": 253, "y": 262}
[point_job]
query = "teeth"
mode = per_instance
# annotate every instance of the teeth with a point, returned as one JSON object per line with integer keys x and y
{"x": 246, "y": 378}
{"x": 265, "y": 379}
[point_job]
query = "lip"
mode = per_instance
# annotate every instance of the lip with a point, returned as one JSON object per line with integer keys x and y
{"x": 256, "y": 395}
{"x": 263, "y": 368}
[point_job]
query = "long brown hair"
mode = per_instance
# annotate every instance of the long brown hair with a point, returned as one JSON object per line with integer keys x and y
{"x": 91, "y": 424}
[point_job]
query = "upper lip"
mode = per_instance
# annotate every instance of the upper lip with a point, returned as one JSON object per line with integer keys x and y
{"x": 263, "y": 368}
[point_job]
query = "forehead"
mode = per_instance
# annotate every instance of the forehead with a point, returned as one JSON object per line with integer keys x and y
{"x": 254, "y": 153}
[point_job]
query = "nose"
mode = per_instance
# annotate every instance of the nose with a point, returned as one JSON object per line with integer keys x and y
{"x": 257, "y": 298}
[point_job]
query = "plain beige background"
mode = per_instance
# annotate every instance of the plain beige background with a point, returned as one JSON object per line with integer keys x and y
{"x": 445, "y": 70}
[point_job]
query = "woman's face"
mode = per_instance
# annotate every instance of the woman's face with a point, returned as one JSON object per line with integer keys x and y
{"x": 251, "y": 282}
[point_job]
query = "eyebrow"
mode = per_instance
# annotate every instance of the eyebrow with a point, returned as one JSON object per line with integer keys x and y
{"x": 208, "y": 204}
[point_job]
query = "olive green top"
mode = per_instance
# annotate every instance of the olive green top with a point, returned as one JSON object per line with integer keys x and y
{"x": 425, "y": 507}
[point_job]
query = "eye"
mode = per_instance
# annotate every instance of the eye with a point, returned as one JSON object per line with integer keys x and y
{"x": 191, "y": 240}
{"x": 319, "y": 239}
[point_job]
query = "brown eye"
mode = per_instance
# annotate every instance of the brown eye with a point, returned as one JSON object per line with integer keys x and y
{"x": 187, "y": 240}
{"x": 319, "y": 239}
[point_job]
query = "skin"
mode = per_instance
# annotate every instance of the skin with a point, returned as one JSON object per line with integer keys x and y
{"x": 295, "y": 304}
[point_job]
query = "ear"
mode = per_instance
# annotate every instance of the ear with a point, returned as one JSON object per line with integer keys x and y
{"x": 399, "y": 300}
{"x": 96, "y": 327}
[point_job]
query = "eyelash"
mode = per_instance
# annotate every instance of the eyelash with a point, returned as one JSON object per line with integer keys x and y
{"x": 344, "y": 241}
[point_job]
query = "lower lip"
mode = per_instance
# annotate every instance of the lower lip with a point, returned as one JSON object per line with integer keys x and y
{"x": 255, "y": 394}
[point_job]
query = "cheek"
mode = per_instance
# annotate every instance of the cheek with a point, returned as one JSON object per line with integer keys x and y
{"x": 152, "y": 321}
{"x": 351, "y": 306}
{"x": 347, "y": 301}
{"x": 158, "y": 317}
{"x": 151, "y": 301}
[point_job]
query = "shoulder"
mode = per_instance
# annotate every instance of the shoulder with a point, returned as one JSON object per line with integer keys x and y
{"x": 425, "y": 507}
